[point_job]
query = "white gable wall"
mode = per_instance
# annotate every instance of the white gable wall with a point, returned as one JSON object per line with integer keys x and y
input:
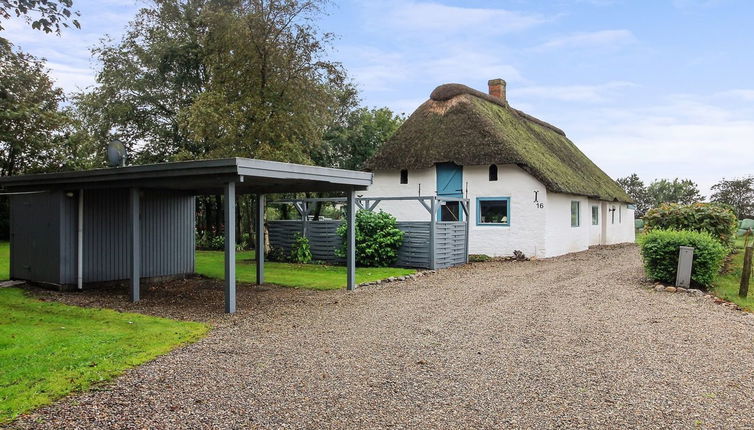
{"x": 387, "y": 183}
{"x": 622, "y": 229}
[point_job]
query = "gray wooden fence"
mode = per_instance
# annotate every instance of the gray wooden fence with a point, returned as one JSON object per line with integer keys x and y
{"x": 451, "y": 241}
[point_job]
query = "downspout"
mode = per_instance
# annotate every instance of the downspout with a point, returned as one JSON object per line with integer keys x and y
{"x": 80, "y": 246}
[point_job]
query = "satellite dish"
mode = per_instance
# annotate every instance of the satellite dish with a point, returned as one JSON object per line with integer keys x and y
{"x": 116, "y": 154}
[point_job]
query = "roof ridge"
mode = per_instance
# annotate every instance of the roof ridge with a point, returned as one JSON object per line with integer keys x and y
{"x": 446, "y": 92}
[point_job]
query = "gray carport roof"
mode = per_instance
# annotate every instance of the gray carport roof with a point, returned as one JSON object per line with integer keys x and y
{"x": 228, "y": 176}
{"x": 201, "y": 177}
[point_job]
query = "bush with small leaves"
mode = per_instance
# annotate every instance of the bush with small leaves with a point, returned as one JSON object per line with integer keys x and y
{"x": 300, "y": 250}
{"x": 715, "y": 219}
{"x": 659, "y": 250}
{"x": 377, "y": 239}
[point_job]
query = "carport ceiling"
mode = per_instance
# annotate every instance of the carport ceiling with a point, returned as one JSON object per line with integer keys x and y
{"x": 200, "y": 177}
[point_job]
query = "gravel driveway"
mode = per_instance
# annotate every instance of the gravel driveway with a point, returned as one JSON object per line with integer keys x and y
{"x": 570, "y": 342}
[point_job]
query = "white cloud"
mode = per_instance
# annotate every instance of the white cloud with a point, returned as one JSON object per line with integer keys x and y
{"x": 741, "y": 94}
{"x": 435, "y": 17}
{"x": 575, "y": 93}
{"x": 596, "y": 39}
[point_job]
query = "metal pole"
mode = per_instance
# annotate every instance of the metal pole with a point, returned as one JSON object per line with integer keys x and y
{"x": 260, "y": 239}
{"x": 432, "y": 231}
{"x": 134, "y": 243}
{"x": 80, "y": 244}
{"x": 230, "y": 247}
{"x": 351, "y": 241}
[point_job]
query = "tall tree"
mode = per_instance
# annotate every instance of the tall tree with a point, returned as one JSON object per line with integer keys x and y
{"x": 30, "y": 119}
{"x": 738, "y": 193}
{"x": 148, "y": 79}
{"x": 634, "y": 187}
{"x": 683, "y": 191}
{"x": 351, "y": 142}
{"x": 45, "y": 15}
{"x": 272, "y": 92}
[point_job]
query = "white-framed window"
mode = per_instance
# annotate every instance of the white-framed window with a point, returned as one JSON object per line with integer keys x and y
{"x": 493, "y": 211}
{"x": 612, "y": 215}
{"x": 595, "y": 215}
{"x": 575, "y": 213}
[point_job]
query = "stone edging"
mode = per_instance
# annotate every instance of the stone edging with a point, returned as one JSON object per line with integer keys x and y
{"x": 697, "y": 293}
{"x": 398, "y": 278}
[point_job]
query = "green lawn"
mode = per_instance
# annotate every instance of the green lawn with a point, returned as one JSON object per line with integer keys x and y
{"x": 312, "y": 276}
{"x": 4, "y": 260}
{"x": 727, "y": 284}
{"x": 48, "y": 349}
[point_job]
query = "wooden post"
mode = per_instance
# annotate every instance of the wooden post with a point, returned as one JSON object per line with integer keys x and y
{"x": 351, "y": 241}
{"x": 260, "y": 239}
{"x": 230, "y": 247}
{"x": 134, "y": 245}
{"x": 746, "y": 273}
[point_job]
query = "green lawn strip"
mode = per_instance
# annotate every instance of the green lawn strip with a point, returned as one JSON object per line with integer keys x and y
{"x": 4, "y": 261}
{"x": 727, "y": 284}
{"x": 48, "y": 350}
{"x": 311, "y": 276}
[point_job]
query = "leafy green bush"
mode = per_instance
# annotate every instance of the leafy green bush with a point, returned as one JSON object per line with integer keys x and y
{"x": 717, "y": 220}
{"x": 300, "y": 250}
{"x": 479, "y": 258}
{"x": 278, "y": 255}
{"x": 659, "y": 250}
{"x": 210, "y": 242}
{"x": 377, "y": 239}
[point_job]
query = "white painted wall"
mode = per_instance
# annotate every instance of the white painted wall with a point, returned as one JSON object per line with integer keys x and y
{"x": 526, "y": 231}
{"x": 620, "y": 224}
{"x": 536, "y": 231}
{"x": 387, "y": 183}
{"x": 560, "y": 237}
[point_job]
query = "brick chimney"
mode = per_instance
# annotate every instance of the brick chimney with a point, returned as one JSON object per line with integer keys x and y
{"x": 497, "y": 88}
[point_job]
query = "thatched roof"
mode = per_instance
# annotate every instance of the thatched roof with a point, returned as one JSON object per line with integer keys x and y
{"x": 467, "y": 127}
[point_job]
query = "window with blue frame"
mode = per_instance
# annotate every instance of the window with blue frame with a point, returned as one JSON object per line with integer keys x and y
{"x": 493, "y": 211}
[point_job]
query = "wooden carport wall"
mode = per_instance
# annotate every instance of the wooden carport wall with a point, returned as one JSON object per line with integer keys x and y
{"x": 203, "y": 177}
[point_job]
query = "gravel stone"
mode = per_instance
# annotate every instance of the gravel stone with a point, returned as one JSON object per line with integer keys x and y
{"x": 671, "y": 289}
{"x": 569, "y": 342}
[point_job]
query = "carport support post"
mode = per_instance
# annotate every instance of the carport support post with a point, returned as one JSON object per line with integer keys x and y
{"x": 230, "y": 247}
{"x": 260, "y": 239}
{"x": 432, "y": 231}
{"x": 134, "y": 243}
{"x": 351, "y": 240}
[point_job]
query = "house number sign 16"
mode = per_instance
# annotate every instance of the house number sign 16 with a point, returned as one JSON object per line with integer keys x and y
{"x": 537, "y": 203}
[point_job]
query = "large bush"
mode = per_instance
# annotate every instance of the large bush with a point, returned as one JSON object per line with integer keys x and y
{"x": 659, "y": 249}
{"x": 377, "y": 239}
{"x": 717, "y": 220}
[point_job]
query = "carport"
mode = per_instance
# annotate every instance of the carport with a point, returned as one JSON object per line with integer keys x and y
{"x": 229, "y": 177}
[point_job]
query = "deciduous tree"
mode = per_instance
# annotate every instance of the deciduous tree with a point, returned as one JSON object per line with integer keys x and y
{"x": 46, "y": 15}
{"x": 737, "y": 193}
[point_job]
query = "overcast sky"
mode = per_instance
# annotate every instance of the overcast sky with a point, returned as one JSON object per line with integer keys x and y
{"x": 662, "y": 88}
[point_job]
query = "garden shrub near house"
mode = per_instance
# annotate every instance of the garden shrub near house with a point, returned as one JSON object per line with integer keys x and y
{"x": 300, "y": 250}
{"x": 717, "y": 220}
{"x": 377, "y": 239}
{"x": 659, "y": 250}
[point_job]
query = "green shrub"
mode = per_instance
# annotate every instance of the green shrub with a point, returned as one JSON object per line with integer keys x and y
{"x": 659, "y": 250}
{"x": 300, "y": 250}
{"x": 478, "y": 258}
{"x": 712, "y": 218}
{"x": 377, "y": 239}
{"x": 210, "y": 242}
{"x": 277, "y": 255}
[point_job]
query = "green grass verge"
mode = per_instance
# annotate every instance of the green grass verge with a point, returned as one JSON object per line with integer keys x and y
{"x": 726, "y": 285}
{"x": 48, "y": 350}
{"x": 311, "y": 276}
{"x": 4, "y": 261}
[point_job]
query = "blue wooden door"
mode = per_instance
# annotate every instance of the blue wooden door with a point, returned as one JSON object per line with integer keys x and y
{"x": 450, "y": 184}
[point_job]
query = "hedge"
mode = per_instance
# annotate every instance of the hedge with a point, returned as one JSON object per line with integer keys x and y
{"x": 659, "y": 250}
{"x": 717, "y": 220}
